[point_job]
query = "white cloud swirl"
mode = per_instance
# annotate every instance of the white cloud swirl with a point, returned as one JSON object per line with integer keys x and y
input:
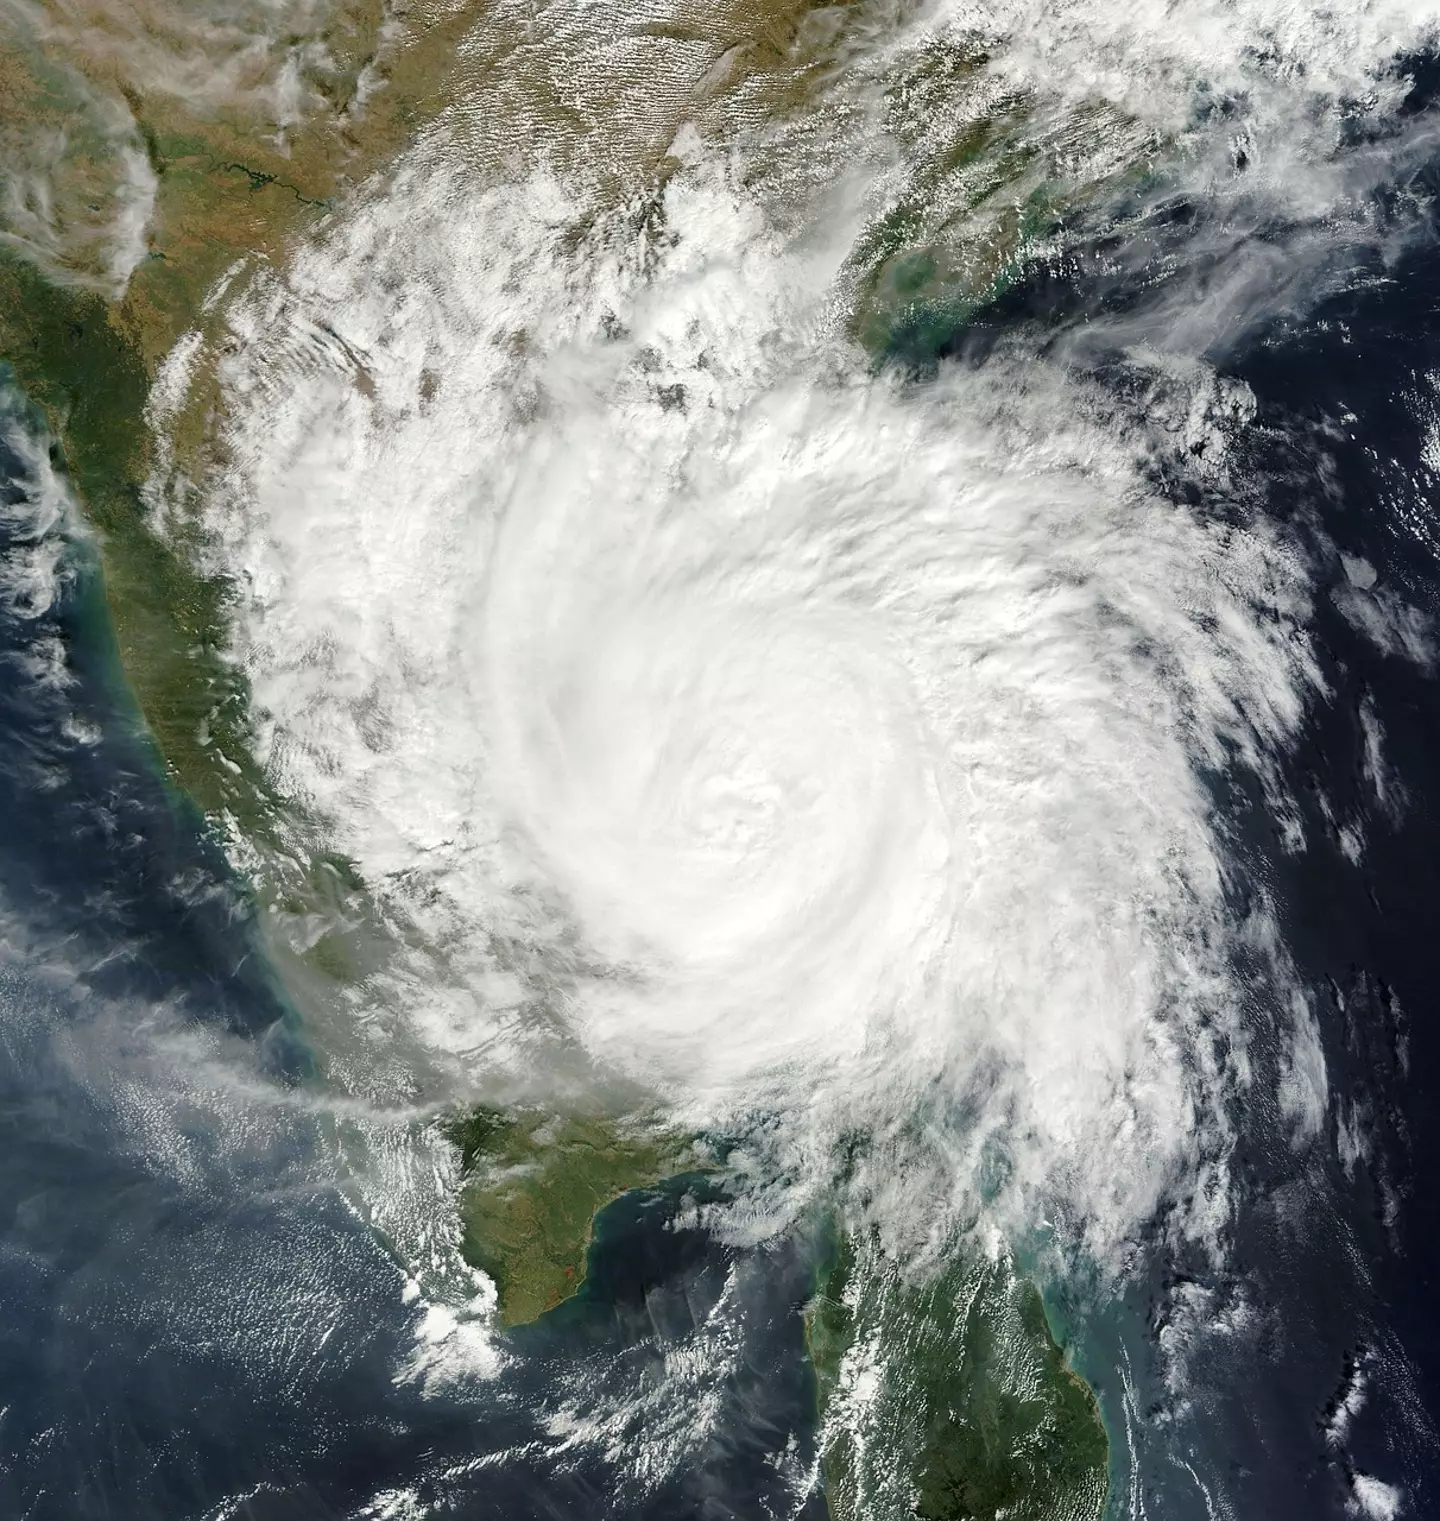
{"x": 801, "y": 740}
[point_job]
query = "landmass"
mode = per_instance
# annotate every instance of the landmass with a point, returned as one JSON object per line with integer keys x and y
{"x": 154, "y": 162}
{"x": 991, "y": 180}
{"x": 532, "y": 1184}
{"x": 959, "y": 1378}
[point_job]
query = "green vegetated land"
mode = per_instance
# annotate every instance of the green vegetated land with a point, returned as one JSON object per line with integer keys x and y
{"x": 233, "y": 193}
{"x": 73, "y": 356}
{"x": 983, "y": 195}
{"x": 91, "y": 380}
{"x": 949, "y": 1399}
{"x": 532, "y": 1184}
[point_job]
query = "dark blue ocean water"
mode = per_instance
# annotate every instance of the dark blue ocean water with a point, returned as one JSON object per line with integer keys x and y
{"x": 193, "y": 1323}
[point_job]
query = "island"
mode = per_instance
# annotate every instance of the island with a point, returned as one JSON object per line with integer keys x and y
{"x": 945, "y": 1391}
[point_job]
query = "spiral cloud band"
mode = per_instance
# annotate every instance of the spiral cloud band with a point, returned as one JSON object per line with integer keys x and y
{"x": 797, "y": 739}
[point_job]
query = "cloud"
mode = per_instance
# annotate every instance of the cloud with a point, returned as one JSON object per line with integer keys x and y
{"x": 795, "y": 739}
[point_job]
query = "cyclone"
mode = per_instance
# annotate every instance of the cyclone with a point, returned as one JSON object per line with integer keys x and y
{"x": 836, "y": 744}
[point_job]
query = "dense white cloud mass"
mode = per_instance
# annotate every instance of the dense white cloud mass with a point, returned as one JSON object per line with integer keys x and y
{"x": 795, "y": 738}
{"x": 1153, "y": 55}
